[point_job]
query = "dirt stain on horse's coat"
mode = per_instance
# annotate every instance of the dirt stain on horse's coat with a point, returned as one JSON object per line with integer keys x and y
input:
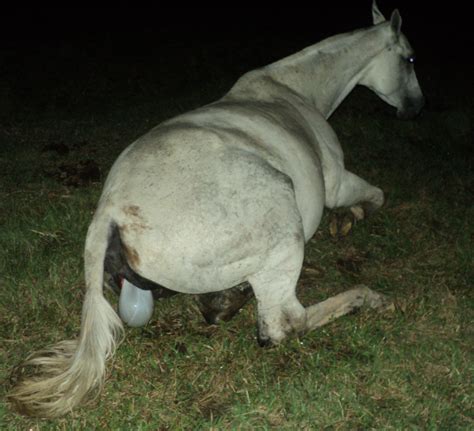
{"x": 132, "y": 210}
{"x": 132, "y": 257}
{"x": 135, "y": 224}
{"x": 136, "y": 221}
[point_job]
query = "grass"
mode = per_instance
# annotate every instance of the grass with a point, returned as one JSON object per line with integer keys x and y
{"x": 408, "y": 369}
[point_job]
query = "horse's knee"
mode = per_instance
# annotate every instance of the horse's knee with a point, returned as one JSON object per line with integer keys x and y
{"x": 377, "y": 200}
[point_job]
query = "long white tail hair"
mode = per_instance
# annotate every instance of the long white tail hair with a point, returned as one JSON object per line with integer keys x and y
{"x": 72, "y": 369}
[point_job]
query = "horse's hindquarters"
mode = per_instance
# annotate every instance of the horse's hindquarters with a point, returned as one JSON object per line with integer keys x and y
{"x": 210, "y": 231}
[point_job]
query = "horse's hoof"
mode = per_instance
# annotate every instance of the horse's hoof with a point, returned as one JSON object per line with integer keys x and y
{"x": 377, "y": 300}
{"x": 358, "y": 212}
{"x": 264, "y": 341}
{"x": 341, "y": 224}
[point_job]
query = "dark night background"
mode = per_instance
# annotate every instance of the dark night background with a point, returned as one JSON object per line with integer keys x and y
{"x": 131, "y": 68}
{"x": 435, "y": 25}
{"x": 42, "y": 48}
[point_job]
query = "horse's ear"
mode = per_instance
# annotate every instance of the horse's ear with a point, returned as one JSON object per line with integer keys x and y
{"x": 377, "y": 16}
{"x": 396, "y": 22}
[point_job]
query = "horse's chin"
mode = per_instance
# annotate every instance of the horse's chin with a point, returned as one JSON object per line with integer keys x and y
{"x": 407, "y": 114}
{"x": 411, "y": 110}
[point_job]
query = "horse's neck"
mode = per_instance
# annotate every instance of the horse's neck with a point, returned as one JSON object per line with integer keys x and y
{"x": 325, "y": 73}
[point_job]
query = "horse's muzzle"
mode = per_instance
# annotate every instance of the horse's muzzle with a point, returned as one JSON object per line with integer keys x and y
{"x": 411, "y": 108}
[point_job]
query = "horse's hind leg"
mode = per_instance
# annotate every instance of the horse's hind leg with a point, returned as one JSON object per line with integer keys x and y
{"x": 279, "y": 311}
{"x": 326, "y": 311}
{"x": 223, "y": 305}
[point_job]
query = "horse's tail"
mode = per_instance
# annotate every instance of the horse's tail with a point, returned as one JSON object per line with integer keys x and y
{"x": 72, "y": 369}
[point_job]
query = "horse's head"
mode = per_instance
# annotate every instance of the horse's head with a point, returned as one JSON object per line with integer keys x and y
{"x": 391, "y": 73}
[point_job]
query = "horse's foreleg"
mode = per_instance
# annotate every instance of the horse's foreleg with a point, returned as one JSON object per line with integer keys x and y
{"x": 356, "y": 194}
{"x": 279, "y": 311}
{"x": 359, "y": 195}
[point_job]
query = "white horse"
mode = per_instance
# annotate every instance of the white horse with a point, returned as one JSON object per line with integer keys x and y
{"x": 230, "y": 193}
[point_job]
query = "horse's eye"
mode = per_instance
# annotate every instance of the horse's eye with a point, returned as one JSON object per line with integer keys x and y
{"x": 411, "y": 59}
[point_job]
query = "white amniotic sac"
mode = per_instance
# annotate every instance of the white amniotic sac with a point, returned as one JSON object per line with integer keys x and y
{"x": 135, "y": 305}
